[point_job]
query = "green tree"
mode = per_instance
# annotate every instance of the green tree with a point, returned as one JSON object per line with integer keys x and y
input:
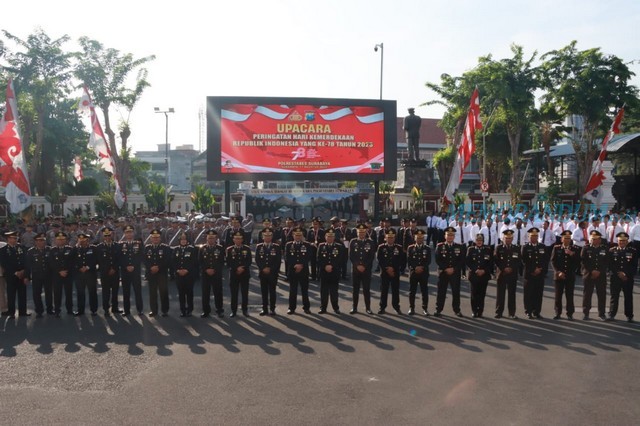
{"x": 106, "y": 72}
{"x": 155, "y": 197}
{"x": 202, "y": 199}
{"x": 586, "y": 85}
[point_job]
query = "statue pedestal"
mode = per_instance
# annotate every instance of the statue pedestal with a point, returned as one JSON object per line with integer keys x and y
{"x": 415, "y": 173}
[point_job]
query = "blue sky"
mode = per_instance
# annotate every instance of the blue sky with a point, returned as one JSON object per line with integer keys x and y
{"x": 318, "y": 49}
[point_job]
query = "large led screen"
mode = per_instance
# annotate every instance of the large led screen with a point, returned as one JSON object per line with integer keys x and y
{"x": 300, "y": 139}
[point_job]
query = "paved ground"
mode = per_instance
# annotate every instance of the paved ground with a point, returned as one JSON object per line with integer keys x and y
{"x": 312, "y": 369}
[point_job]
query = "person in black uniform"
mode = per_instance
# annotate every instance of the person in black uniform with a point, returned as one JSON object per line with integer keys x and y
{"x": 623, "y": 265}
{"x": 507, "y": 259}
{"x": 61, "y": 259}
{"x": 211, "y": 261}
{"x": 330, "y": 259}
{"x": 362, "y": 251}
{"x": 109, "y": 271}
{"x": 130, "y": 255}
{"x": 390, "y": 258}
{"x": 534, "y": 258}
{"x": 157, "y": 258}
{"x": 479, "y": 261}
{"x": 85, "y": 263}
{"x": 565, "y": 258}
{"x": 12, "y": 258}
{"x": 37, "y": 270}
{"x": 234, "y": 228}
{"x": 185, "y": 268}
{"x": 298, "y": 255}
{"x": 450, "y": 260}
{"x": 268, "y": 260}
{"x": 315, "y": 236}
{"x": 418, "y": 259}
{"x": 595, "y": 263}
{"x": 411, "y": 126}
{"x": 238, "y": 257}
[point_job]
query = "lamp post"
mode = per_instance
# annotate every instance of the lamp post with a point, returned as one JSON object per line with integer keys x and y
{"x": 376, "y": 183}
{"x": 166, "y": 152}
{"x": 485, "y": 126}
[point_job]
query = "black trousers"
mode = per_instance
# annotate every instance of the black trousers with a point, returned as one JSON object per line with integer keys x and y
{"x": 600, "y": 285}
{"x": 506, "y": 284}
{"x": 239, "y": 283}
{"x": 478, "y": 291}
{"x": 444, "y": 281}
{"x": 16, "y": 287}
{"x": 421, "y": 279}
{"x": 38, "y": 285}
{"x": 110, "y": 285}
{"x": 533, "y": 289}
{"x": 618, "y": 285}
{"x": 129, "y": 280}
{"x": 300, "y": 279}
{"x": 61, "y": 284}
{"x": 565, "y": 287}
{"x": 268, "y": 287}
{"x": 185, "y": 293}
{"x": 212, "y": 283}
{"x": 361, "y": 279}
{"x": 158, "y": 284}
{"x": 329, "y": 285}
{"x": 86, "y": 282}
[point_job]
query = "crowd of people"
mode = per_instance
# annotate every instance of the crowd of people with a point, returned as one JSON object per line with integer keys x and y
{"x": 75, "y": 259}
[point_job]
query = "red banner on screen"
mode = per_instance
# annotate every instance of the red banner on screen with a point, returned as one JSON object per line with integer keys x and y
{"x": 301, "y": 138}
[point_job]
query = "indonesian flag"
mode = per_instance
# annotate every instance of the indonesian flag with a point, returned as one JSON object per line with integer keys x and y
{"x": 593, "y": 191}
{"x": 13, "y": 171}
{"x": 77, "y": 169}
{"x": 98, "y": 143}
{"x": 466, "y": 148}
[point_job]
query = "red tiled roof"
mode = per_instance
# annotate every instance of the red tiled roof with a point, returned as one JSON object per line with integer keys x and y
{"x": 430, "y": 133}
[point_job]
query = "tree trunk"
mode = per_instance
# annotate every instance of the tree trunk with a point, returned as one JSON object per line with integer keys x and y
{"x": 37, "y": 152}
{"x": 515, "y": 184}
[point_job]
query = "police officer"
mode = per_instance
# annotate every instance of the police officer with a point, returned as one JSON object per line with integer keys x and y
{"x": 623, "y": 266}
{"x": 211, "y": 261}
{"x": 534, "y": 259}
{"x": 508, "y": 260}
{"x": 12, "y": 258}
{"x": 157, "y": 258}
{"x": 298, "y": 255}
{"x": 61, "y": 265}
{"x": 362, "y": 251}
{"x": 238, "y": 257}
{"x": 450, "y": 260}
{"x": 315, "y": 236}
{"x": 85, "y": 278}
{"x": 479, "y": 261}
{"x": 329, "y": 261}
{"x": 268, "y": 260}
{"x": 418, "y": 259}
{"x": 565, "y": 258}
{"x": 130, "y": 255}
{"x": 37, "y": 270}
{"x": 184, "y": 264}
{"x": 390, "y": 258}
{"x": 595, "y": 263}
{"x": 109, "y": 270}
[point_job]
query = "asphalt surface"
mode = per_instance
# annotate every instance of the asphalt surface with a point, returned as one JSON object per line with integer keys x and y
{"x": 314, "y": 369}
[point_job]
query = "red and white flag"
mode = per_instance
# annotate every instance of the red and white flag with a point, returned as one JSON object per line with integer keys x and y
{"x": 13, "y": 171}
{"x": 98, "y": 143}
{"x": 466, "y": 148}
{"x": 77, "y": 169}
{"x": 593, "y": 191}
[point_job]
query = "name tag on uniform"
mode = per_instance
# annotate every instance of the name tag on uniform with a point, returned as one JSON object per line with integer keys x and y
{"x": 514, "y": 255}
{"x": 541, "y": 251}
{"x": 187, "y": 254}
{"x": 487, "y": 257}
{"x": 89, "y": 251}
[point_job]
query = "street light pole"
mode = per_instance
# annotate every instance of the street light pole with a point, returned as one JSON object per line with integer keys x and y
{"x": 376, "y": 183}
{"x": 166, "y": 153}
{"x": 485, "y": 126}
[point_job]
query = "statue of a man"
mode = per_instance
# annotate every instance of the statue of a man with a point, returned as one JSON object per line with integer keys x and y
{"x": 411, "y": 127}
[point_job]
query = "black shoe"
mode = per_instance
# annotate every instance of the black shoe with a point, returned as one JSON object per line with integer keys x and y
{"x": 220, "y": 314}
{"x": 369, "y": 311}
{"x": 513, "y": 317}
{"x": 5, "y": 314}
{"x": 381, "y": 312}
{"x": 26, "y": 314}
{"x": 107, "y": 314}
{"x": 182, "y": 315}
{"x": 459, "y": 314}
{"x": 204, "y": 315}
{"x": 630, "y": 319}
{"x": 530, "y": 316}
{"x": 411, "y": 311}
{"x": 602, "y": 317}
{"x": 232, "y": 315}
{"x": 165, "y": 314}
{"x": 337, "y": 311}
{"x": 38, "y": 315}
{"x": 94, "y": 313}
{"x": 263, "y": 312}
{"x": 272, "y": 312}
{"x": 474, "y": 315}
{"x": 152, "y": 314}
{"x": 437, "y": 314}
{"x": 57, "y": 314}
{"x": 479, "y": 315}
{"x": 538, "y": 316}
{"x": 425, "y": 313}
{"x": 291, "y": 311}
{"x": 585, "y": 317}
{"x": 570, "y": 317}
{"x": 78, "y": 314}
{"x": 117, "y": 311}
{"x": 353, "y": 311}
{"x": 140, "y": 313}
{"x": 245, "y": 312}
{"x": 497, "y": 316}
{"x": 556, "y": 317}
{"x": 307, "y": 311}
{"x": 398, "y": 311}
{"x": 126, "y": 314}
{"x": 322, "y": 311}
{"x": 188, "y": 315}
